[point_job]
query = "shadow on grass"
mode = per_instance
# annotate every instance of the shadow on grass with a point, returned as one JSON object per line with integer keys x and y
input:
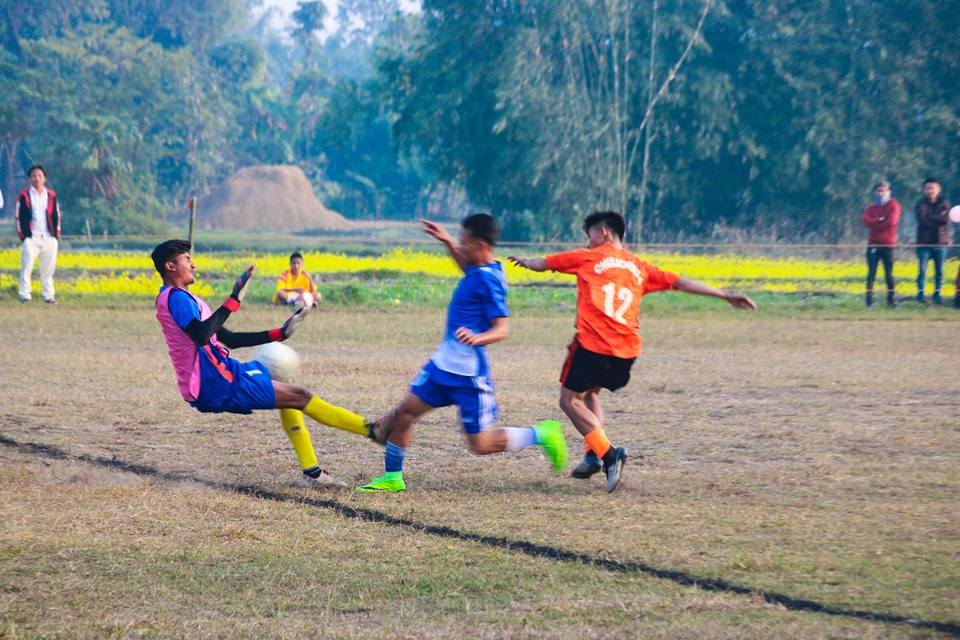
{"x": 519, "y": 546}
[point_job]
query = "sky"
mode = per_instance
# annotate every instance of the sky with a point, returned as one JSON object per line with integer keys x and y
{"x": 286, "y": 7}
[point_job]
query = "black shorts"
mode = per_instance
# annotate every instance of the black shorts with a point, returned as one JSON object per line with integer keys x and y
{"x": 585, "y": 370}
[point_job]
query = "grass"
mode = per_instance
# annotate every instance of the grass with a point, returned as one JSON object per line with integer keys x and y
{"x": 814, "y": 455}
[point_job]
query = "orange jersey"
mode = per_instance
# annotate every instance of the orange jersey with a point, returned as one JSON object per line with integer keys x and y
{"x": 610, "y": 283}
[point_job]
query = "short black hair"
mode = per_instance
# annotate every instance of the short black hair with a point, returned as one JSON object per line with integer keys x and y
{"x": 612, "y": 220}
{"x": 482, "y": 226}
{"x": 168, "y": 251}
{"x": 931, "y": 181}
{"x": 295, "y": 254}
{"x": 37, "y": 166}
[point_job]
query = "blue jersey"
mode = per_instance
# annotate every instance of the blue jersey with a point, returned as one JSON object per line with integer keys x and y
{"x": 481, "y": 296}
{"x": 209, "y": 379}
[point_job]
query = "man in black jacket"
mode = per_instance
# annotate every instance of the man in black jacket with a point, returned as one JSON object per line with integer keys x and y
{"x": 932, "y": 237}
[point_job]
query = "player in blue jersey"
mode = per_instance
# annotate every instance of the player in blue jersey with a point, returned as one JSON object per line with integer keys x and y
{"x": 458, "y": 373}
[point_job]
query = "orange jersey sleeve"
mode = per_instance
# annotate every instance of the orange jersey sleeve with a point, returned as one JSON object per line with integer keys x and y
{"x": 610, "y": 283}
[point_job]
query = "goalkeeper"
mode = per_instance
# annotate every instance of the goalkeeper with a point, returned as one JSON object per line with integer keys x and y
{"x": 212, "y": 382}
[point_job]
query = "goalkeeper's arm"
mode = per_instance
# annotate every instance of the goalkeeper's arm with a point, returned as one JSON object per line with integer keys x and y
{"x": 202, "y": 330}
{"x": 251, "y": 339}
{"x": 248, "y": 338}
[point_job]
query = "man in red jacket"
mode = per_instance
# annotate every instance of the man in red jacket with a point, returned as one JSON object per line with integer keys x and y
{"x": 881, "y": 218}
{"x": 38, "y": 225}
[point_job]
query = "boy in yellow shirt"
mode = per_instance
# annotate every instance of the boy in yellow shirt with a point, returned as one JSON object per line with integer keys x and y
{"x": 295, "y": 286}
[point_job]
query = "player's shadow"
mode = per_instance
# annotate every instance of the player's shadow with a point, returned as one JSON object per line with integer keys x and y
{"x": 517, "y": 546}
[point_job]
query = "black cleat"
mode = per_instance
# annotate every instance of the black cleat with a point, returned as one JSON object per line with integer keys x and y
{"x": 613, "y": 466}
{"x": 588, "y": 466}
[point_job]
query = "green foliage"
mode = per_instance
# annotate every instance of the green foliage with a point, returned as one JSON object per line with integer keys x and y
{"x": 348, "y": 295}
{"x": 780, "y": 117}
{"x": 698, "y": 119}
{"x": 240, "y": 63}
{"x": 97, "y": 101}
{"x": 373, "y": 182}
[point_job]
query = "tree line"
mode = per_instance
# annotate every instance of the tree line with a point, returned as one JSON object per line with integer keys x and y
{"x": 698, "y": 119}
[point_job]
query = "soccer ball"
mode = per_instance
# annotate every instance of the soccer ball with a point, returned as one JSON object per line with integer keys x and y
{"x": 281, "y": 361}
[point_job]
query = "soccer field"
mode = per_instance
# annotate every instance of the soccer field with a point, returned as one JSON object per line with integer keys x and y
{"x": 789, "y": 478}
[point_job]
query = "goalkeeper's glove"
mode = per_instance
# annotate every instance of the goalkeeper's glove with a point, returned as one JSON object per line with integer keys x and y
{"x": 293, "y": 322}
{"x": 239, "y": 290}
{"x": 240, "y": 287}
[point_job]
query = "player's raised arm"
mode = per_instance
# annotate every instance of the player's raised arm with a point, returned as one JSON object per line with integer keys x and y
{"x": 534, "y": 264}
{"x": 203, "y": 330}
{"x": 737, "y": 300}
{"x": 434, "y": 230}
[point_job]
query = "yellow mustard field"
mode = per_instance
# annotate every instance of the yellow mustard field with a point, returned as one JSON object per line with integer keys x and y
{"x": 130, "y": 273}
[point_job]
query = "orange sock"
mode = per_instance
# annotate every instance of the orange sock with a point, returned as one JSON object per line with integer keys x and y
{"x": 597, "y": 441}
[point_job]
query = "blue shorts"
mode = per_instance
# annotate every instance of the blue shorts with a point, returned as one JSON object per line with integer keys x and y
{"x": 252, "y": 390}
{"x": 473, "y": 395}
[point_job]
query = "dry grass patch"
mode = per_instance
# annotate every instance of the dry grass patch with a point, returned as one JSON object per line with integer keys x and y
{"x": 815, "y": 459}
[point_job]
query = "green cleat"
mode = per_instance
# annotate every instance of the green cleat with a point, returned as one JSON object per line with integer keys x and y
{"x": 392, "y": 482}
{"x": 550, "y": 437}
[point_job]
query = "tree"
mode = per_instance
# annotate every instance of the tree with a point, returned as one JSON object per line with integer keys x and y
{"x": 100, "y": 101}
{"x": 537, "y": 107}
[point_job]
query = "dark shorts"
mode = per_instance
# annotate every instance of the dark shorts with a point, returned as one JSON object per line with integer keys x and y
{"x": 585, "y": 370}
{"x": 252, "y": 390}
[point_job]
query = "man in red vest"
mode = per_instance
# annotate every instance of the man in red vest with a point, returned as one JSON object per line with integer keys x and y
{"x": 881, "y": 218}
{"x": 38, "y": 225}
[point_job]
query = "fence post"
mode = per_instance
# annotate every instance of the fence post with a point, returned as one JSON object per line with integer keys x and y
{"x": 193, "y": 217}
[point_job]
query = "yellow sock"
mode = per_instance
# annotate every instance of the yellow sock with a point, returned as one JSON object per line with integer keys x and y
{"x": 292, "y": 421}
{"x": 336, "y": 417}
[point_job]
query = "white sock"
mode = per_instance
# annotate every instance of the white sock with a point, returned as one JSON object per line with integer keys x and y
{"x": 520, "y": 438}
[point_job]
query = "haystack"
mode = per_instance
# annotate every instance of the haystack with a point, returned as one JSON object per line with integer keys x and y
{"x": 270, "y": 198}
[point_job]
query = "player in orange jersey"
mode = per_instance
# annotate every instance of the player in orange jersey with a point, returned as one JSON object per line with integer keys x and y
{"x": 610, "y": 283}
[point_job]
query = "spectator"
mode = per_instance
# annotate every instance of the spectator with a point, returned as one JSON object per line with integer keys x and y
{"x": 295, "y": 285}
{"x": 38, "y": 225}
{"x": 932, "y": 237}
{"x": 881, "y": 218}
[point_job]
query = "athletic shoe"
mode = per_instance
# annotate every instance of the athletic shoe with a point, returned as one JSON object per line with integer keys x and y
{"x": 550, "y": 437}
{"x": 588, "y": 466}
{"x": 937, "y": 299}
{"x": 391, "y": 482}
{"x": 379, "y": 429}
{"x": 615, "y": 468}
{"x": 322, "y": 480}
{"x": 50, "y": 300}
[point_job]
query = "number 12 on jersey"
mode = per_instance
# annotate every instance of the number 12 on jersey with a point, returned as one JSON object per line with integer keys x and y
{"x": 623, "y": 294}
